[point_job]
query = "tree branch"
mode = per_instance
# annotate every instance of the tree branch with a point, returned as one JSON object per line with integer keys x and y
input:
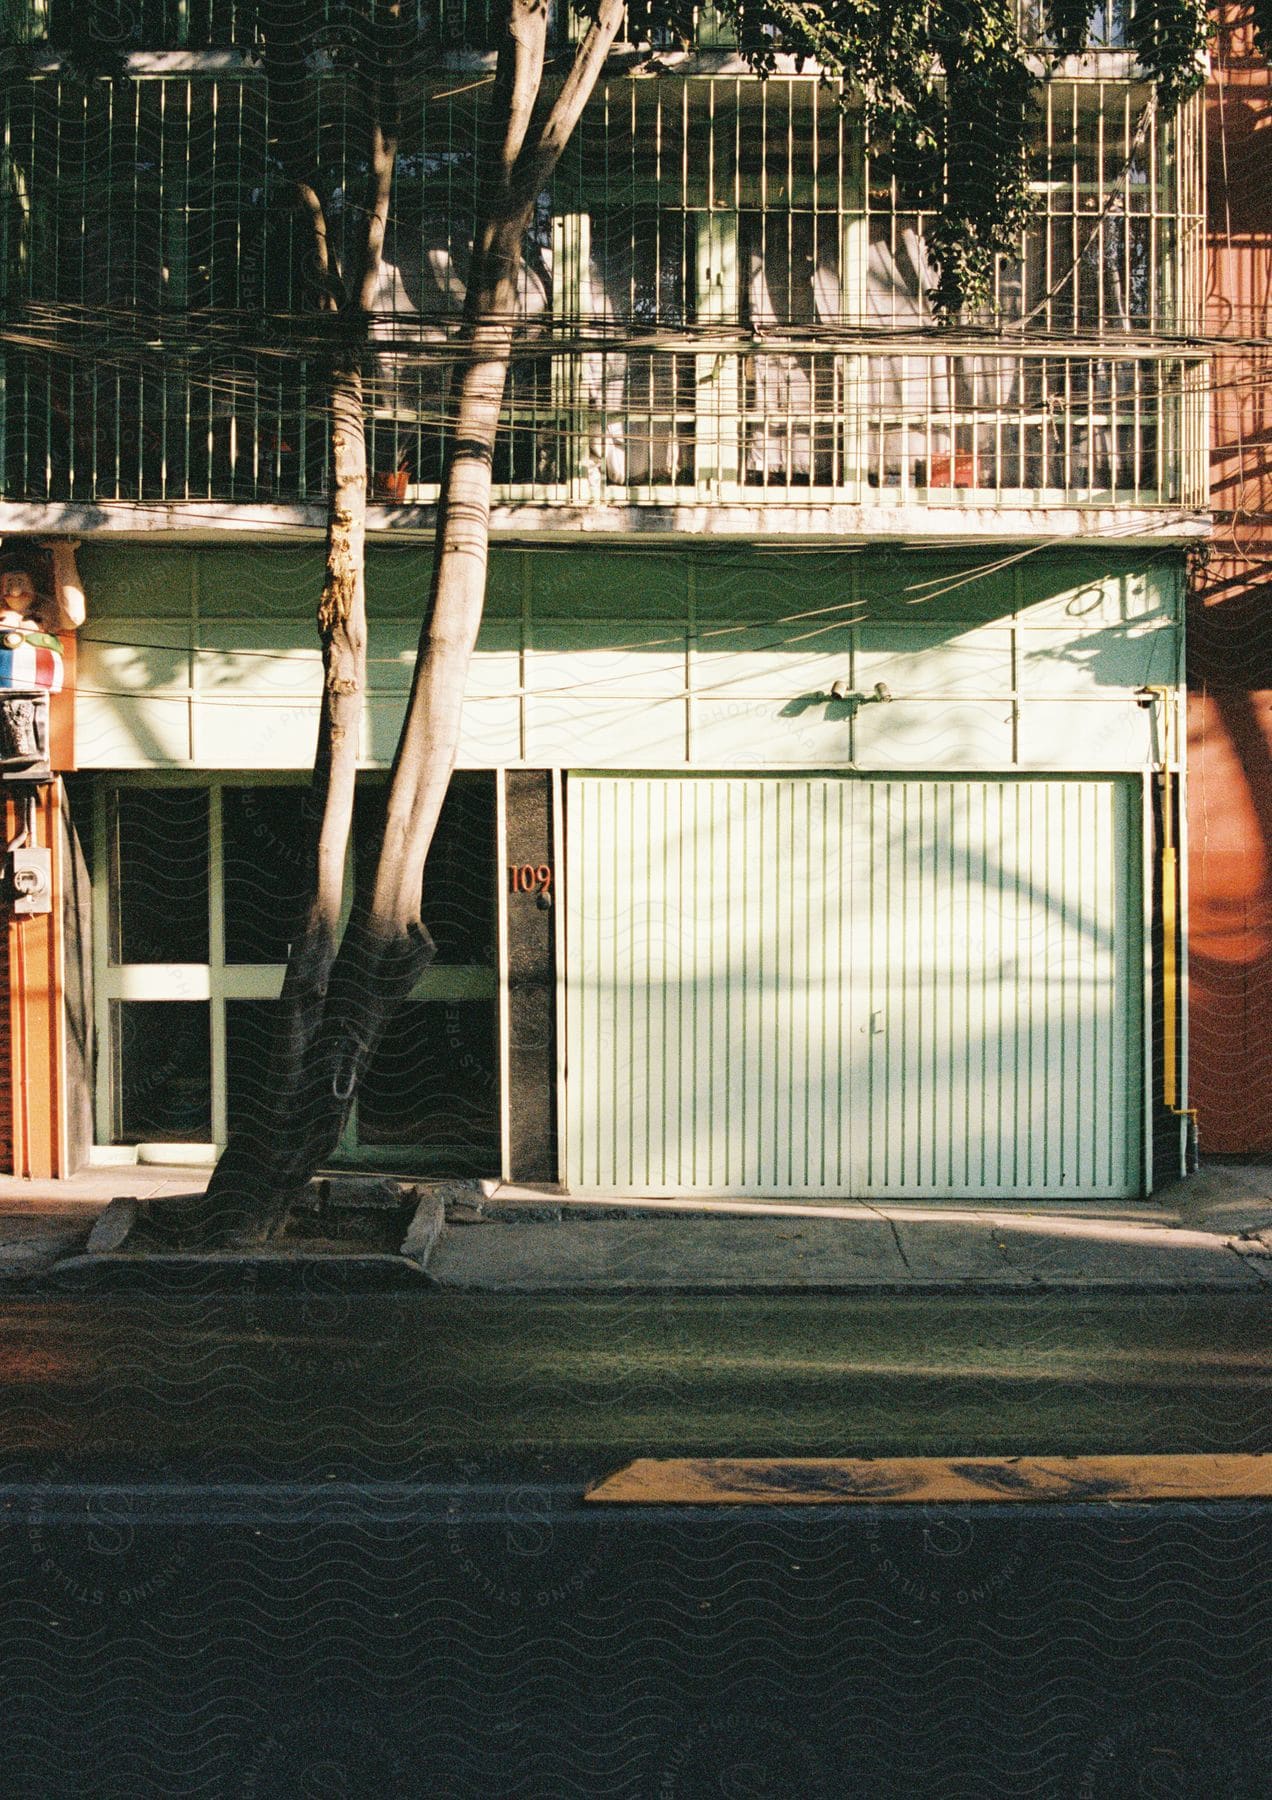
{"x": 332, "y": 295}
{"x": 390, "y": 54}
{"x": 286, "y": 40}
{"x": 519, "y": 77}
{"x": 589, "y": 59}
{"x": 383, "y": 159}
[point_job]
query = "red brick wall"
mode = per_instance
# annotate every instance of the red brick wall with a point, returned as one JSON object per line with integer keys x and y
{"x": 1230, "y": 629}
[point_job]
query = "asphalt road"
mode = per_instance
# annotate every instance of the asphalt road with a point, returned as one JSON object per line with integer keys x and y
{"x": 324, "y": 1543}
{"x": 417, "y": 1385}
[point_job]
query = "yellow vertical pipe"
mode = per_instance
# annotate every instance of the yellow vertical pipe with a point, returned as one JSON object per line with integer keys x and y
{"x": 1170, "y": 972}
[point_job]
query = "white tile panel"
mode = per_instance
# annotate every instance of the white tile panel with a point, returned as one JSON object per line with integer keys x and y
{"x": 131, "y": 732}
{"x": 256, "y": 733}
{"x": 917, "y": 734}
{"x": 931, "y": 661}
{"x": 1113, "y": 733}
{"x": 609, "y": 732}
{"x": 1118, "y": 659}
{"x": 782, "y": 662}
{"x": 586, "y": 656}
{"x": 762, "y": 733}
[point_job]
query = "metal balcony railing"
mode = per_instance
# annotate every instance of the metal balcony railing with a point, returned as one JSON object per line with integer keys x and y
{"x": 450, "y": 24}
{"x": 134, "y": 25}
{"x": 989, "y": 428}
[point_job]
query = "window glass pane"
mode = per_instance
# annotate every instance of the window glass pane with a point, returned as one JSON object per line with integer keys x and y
{"x": 790, "y": 276}
{"x": 264, "y": 836}
{"x": 162, "y": 896}
{"x": 248, "y": 1024}
{"x": 163, "y": 1072}
{"x": 433, "y": 1085}
{"x": 458, "y": 904}
{"x": 641, "y": 406}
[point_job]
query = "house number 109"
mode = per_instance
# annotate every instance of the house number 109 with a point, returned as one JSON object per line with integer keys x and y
{"x": 529, "y": 878}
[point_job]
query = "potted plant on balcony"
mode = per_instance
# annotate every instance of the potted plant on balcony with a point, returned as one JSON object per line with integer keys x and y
{"x": 391, "y": 484}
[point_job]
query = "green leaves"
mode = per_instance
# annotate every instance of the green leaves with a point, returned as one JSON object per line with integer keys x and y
{"x": 1261, "y": 12}
{"x": 1067, "y": 25}
{"x": 947, "y": 87}
{"x": 1169, "y": 39}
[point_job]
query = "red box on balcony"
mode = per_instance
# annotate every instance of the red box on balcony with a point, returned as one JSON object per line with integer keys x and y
{"x": 957, "y": 471}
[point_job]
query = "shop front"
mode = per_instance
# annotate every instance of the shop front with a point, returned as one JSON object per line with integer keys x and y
{"x": 763, "y": 872}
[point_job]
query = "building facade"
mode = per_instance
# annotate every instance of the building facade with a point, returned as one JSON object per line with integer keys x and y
{"x": 818, "y": 822}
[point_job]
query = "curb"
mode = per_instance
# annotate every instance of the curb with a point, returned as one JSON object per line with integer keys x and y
{"x": 123, "y": 1236}
{"x": 948, "y": 1286}
{"x": 274, "y": 1271}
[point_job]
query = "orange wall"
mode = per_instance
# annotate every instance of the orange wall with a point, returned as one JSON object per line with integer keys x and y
{"x": 1230, "y": 629}
{"x": 34, "y": 1126}
{"x": 6, "y": 1064}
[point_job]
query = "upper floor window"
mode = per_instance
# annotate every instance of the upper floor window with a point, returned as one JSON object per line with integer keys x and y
{"x": 225, "y": 24}
{"x": 751, "y": 226}
{"x": 725, "y": 290}
{"x": 467, "y": 24}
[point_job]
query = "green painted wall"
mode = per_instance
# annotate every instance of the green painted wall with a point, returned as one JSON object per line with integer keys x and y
{"x": 716, "y": 656}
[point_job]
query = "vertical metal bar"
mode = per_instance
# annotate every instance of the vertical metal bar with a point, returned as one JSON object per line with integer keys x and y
{"x": 504, "y": 1027}
{"x": 526, "y": 639}
{"x": 9, "y": 261}
{"x": 1105, "y": 221}
{"x": 216, "y": 974}
{"x": 105, "y": 886}
{"x": 1048, "y": 261}
{"x": 560, "y": 862}
{"x": 1074, "y": 220}
{"x": 1146, "y": 890}
{"x": 691, "y": 654}
{"x": 1177, "y": 700}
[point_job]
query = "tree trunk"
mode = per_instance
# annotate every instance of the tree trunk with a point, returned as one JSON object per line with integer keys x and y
{"x": 267, "y": 1157}
{"x": 334, "y": 1012}
{"x": 387, "y": 946}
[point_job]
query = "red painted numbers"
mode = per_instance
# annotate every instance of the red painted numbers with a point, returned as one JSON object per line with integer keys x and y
{"x": 529, "y": 878}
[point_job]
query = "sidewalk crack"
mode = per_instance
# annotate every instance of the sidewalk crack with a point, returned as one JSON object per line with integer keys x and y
{"x": 1250, "y": 1262}
{"x": 892, "y": 1227}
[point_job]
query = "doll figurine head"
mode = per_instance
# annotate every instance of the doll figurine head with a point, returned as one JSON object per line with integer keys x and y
{"x": 18, "y": 598}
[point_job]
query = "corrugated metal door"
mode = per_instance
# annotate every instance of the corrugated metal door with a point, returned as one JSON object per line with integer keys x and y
{"x": 832, "y": 984}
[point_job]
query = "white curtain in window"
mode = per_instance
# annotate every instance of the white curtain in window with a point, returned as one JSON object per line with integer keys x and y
{"x": 605, "y": 275}
{"x": 636, "y": 272}
{"x": 791, "y": 272}
{"x": 418, "y": 301}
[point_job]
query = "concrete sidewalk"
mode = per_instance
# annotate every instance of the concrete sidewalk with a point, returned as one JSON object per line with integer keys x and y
{"x": 1213, "y": 1231}
{"x": 43, "y": 1221}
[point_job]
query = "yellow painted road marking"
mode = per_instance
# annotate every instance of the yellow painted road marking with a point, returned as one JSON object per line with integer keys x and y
{"x": 892, "y": 1480}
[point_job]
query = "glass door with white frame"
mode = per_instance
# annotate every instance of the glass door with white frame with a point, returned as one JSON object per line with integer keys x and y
{"x": 197, "y": 887}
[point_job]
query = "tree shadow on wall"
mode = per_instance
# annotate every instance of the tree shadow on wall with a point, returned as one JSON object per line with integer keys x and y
{"x": 1230, "y": 933}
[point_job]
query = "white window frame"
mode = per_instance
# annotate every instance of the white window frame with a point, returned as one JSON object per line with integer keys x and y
{"x": 217, "y": 981}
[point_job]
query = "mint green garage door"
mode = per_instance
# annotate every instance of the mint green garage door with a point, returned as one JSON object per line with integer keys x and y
{"x": 842, "y": 985}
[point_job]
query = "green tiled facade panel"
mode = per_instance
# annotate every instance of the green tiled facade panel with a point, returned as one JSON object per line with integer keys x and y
{"x": 715, "y": 657}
